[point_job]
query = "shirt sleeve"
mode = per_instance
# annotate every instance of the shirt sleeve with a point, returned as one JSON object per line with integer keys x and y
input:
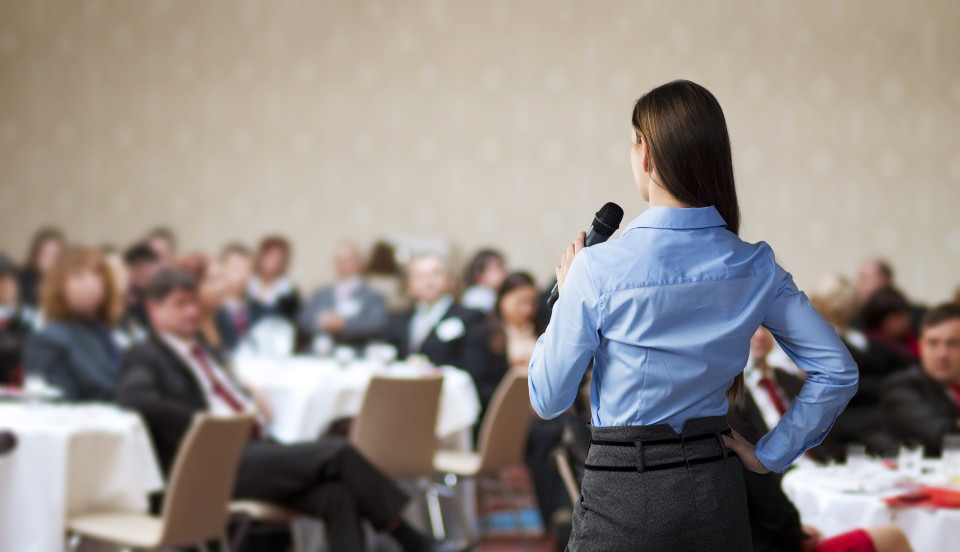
{"x": 564, "y": 351}
{"x": 832, "y": 375}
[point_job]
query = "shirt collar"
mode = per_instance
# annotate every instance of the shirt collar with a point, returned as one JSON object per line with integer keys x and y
{"x": 678, "y": 218}
{"x": 438, "y": 308}
{"x": 178, "y": 344}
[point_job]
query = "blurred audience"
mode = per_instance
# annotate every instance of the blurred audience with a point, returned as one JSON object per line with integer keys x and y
{"x": 436, "y": 327}
{"x": 514, "y": 334}
{"x": 873, "y": 275}
{"x": 16, "y": 323}
{"x": 270, "y": 291}
{"x": 516, "y": 308}
{"x": 142, "y": 263}
{"x": 75, "y": 350}
{"x": 128, "y": 329}
{"x": 769, "y": 390}
{"x": 211, "y": 294}
{"x": 484, "y": 276}
{"x": 776, "y": 525}
{"x": 350, "y": 312}
{"x": 173, "y": 375}
{"x": 384, "y": 274}
{"x": 861, "y": 421}
{"x": 45, "y": 247}
{"x": 886, "y": 321}
{"x": 163, "y": 242}
{"x": 234, "y": 319}
{"x": 922, "y": 404}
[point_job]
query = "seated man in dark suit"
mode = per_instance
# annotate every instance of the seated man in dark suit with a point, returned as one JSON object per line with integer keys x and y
{"x": 350, "y": 312}
{"x": 769, "y": 390}
{"x": 171, "y": 376}
{"x": 446, "y": 333}
{"x": 920, "y": 404}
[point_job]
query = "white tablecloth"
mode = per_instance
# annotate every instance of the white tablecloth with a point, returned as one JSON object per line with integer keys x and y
{"x": 307, "y": 393}
{"x": 70, "y": 459}
{"x": 838, "y": 499}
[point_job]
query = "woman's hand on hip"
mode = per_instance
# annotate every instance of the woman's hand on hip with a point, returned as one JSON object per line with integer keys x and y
{"x": 744, "y": 450}
{"x": 567, "y": 259}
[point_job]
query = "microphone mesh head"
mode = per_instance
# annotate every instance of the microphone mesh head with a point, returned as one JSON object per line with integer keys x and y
{"x": 608, "y": 219}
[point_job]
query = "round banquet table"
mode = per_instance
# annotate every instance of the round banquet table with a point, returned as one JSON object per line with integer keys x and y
{"x": 307, "y": 393}
{"x": 836, "y": 499}
{"x": 70, "y": 459}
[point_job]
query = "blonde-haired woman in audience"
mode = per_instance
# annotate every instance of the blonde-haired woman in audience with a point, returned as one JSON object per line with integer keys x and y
{"x": 835, "y": 297}
{"x": 76, "y": 350}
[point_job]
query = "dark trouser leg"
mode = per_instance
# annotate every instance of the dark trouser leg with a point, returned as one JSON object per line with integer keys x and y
{"x": 545, "y": 436}
{"x": 285, "y": 473}
{"x": 335, "y": 504}
{"x": 379, "y": 498}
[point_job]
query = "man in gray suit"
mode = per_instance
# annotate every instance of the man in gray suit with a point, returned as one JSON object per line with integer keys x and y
{"x": 349, "y": 311}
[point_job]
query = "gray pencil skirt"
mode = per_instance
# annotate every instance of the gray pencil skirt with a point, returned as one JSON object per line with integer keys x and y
{"x": 646, "y": 488}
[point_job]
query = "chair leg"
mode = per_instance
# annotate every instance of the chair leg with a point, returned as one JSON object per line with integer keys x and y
{"x": 243, "y": 526}
{"x": 203, "y": 547}
{"x": 435, "y": 514}
{"x": 225, "y": 544}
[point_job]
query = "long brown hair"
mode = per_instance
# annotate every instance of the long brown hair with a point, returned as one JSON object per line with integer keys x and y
{"x": 39, "y": 238}
{"x": 53, "y": 295}
{"x": 689, "y": 150}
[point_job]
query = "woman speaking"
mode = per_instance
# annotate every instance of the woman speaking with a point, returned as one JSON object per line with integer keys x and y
{"x": 666, "y": 312}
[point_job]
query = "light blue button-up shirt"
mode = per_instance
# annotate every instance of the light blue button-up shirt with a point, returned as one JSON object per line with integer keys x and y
{"x": 667, "y": 312}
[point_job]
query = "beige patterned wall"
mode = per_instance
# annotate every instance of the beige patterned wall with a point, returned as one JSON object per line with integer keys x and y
{"x": 486, "y": 122}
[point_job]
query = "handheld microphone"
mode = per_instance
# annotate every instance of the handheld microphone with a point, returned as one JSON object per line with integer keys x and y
{"x": 605, "y": 223}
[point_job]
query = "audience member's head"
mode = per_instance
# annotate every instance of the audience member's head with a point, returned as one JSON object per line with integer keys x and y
{"x": 874, "y": 273}
{"x": 761, "y": 344}
{"x": 487, "y": 268}
{"x": 164, "y": 244}
{"x": 118, "y": 267}
{"x": 429, "y": 278}
{"x": 518, "y": 300}
{"x": 836, "y": 300}
{"x": 142, "y": 263}
{"x": 237, "y": 263}
{"x": 940, "y": 344}
{"x": 273, "y": 258}
{"x": 45, "y": 247}
{"x": 9, "y": 285}
{"x": 887, "y": 312}
{"x": 383, "y": 260}
{"x": 173, "y": 303}
{"x": 348, "y": 262}
{"x": 211, "y": 285}
{"x": 80, "y": 285}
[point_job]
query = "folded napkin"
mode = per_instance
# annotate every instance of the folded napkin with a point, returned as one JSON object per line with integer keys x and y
{"x": 930, "y": 497}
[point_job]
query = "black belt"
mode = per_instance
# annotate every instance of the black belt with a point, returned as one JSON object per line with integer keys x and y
{"x": 681, "y": 451}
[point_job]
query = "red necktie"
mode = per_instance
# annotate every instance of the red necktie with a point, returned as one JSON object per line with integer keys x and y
{"x": 955, "y": 389}
{"x": 218, "y": 387}
{"x": 774, "y": 393}
{"x": 240, "y": 321}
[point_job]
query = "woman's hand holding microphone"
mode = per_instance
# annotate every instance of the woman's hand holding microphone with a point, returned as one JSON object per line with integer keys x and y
{"x": 567, "y": 259}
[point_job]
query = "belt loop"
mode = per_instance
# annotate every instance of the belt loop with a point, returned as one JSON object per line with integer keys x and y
{"x": 638, "y": 443}
{"x": 723, "y": 448}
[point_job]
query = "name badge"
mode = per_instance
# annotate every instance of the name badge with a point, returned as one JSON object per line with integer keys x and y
{"x": 349, "y": 308}
{"x": 450, "y": 329}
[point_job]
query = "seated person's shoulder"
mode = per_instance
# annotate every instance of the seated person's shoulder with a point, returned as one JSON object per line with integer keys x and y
{"x": 906, "y": 378}
{"x": 52, "y": 333}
